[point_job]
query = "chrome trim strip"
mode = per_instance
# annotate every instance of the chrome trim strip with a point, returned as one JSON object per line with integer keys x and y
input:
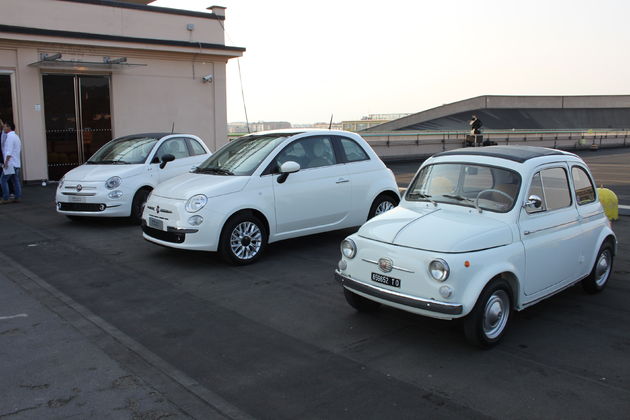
{"x": 393, "y": 266}
{"x": 180, "y": 230}
{"x": 529, "y": 232}
{"x": 425, "y": 304}
{"x": 79, "y": 194}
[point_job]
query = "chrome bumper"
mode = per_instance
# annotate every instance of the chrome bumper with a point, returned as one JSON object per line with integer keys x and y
{"x": 399, "y": 298}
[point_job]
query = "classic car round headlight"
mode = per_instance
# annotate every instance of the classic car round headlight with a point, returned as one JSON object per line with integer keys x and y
{"x": 439, "y": 269}
{"x": 348, "y": 248}
{"x": 113, "y": 182}
{"x": 196, "y": 203}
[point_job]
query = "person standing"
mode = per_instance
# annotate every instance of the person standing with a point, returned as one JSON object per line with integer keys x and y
{"x": 11, "y": 148}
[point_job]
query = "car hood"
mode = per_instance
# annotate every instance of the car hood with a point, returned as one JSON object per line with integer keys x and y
{"x": 437, "y": 229}
{"x": 184, "y": 186}
{"x": 102, "y": 172}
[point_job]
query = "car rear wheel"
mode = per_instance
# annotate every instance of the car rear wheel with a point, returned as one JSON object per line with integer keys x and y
{"x": 360, "y": 303}
{"x": 382, "y": 203}
{"x": 487, "y": 322}
{"x": 243, "y": 240}
{"x": 598, "y": 278}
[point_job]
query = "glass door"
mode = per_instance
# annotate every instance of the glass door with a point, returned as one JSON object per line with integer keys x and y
{"x": 77, "y": 117}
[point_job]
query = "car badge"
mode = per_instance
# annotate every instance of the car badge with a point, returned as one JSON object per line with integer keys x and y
{"x": 79, "y": 187}
{"x": 385, "y": 264}
{"x": 157, "y": 209}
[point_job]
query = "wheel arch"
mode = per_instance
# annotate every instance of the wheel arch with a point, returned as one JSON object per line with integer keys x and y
{"x": 250, "y": 212}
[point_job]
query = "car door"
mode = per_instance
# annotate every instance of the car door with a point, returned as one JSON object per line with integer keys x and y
{"x": 184, "y": 162}
{"x": 550, "y": 234}
{"x": 318, "y": 196}
{"x": 590, "y": 214}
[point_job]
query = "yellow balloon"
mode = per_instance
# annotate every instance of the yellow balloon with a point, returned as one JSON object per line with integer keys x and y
{"x": 610, "y": 202}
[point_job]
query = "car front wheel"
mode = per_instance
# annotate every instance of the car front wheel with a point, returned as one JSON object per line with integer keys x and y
{"x": 243, "y": 240}
{"x": 137, "y": 205}
{"x": 382, "y": 204}
{"x": 598, "y": 278}
{"x": 487, "y": 322}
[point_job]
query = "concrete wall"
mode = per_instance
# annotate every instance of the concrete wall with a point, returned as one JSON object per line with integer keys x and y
{"x": 167, "y": 88}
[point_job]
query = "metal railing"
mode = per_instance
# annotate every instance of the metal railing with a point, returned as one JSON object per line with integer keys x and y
{"x": 408, "y": 144}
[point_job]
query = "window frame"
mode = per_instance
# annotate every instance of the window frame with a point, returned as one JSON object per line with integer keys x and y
{"x": 545, "y": 208}
{"x": 343, "y": 158}
{"x": 591, "y": 180}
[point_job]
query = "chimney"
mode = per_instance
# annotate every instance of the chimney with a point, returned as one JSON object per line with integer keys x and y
{"x": 217, "y": 10}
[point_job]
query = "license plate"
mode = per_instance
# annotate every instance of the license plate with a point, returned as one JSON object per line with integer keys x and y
{"x": 156, "y": 223}
{"x": 390, "y": 281}
{"x": 77, "y": 199}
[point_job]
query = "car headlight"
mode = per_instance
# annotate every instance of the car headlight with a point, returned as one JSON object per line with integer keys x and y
{"x": 439, "y": 269}
{"x": 113, "y": 182}
{"x": 60, "y": 185}
{"x": 196, "y": 203}
{"x": 348, "y": 248}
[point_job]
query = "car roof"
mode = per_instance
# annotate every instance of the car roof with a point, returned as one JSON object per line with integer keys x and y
{"x": 296, "y": 131}
{"x": 519, "y": 154}
{"x": 149, "y": 135}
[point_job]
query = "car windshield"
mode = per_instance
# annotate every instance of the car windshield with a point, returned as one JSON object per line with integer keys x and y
{"x": 125, "y": 150}
{"x": 241, "y": 156}
{"x": 471, "y": 185}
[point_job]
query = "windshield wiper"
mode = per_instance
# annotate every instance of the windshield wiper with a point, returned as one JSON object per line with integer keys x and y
{"x": 461, "y": 198}
{"x": 107, "y": 162}
{"x": 218, "y": 171}
{"x": 421, "y": 195}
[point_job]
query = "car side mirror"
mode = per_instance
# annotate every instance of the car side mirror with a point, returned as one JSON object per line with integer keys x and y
{"x": 533, "y": 202}
{"x": 166, "y": 159}
{"x": 287, "y": 168}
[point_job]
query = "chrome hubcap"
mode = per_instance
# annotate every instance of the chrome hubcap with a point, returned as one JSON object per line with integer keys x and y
{"x": 383, "y": 207}
{"x": 602, "y": 268}
{"x": 246, "y": 240}
{"x": 496, "y": 313}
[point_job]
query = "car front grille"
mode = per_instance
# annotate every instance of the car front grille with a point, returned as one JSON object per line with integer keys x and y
{"x": 174, "y": 237}
{"x": 93, "y": 207}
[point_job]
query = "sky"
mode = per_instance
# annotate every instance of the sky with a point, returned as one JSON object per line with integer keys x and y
{"x": 305, "y": 61}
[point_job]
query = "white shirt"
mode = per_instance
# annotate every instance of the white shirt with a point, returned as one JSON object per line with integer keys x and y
{"x": 12, "y": 147}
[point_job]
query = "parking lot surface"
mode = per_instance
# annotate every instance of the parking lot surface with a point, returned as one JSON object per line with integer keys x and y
{"x": 276, "y": 340}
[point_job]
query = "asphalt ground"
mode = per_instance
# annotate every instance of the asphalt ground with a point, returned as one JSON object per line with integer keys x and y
{"x": 96, "y": 322}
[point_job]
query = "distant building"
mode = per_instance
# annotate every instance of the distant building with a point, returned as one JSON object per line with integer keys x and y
{"x": 76, "y": 73}
{"x": 368, "y": 121}
{"x": 520, "y": 113}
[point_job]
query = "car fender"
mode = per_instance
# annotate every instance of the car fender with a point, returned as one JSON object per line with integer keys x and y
{"x": 509, "y": 265}
{"x": 603, "y": 236}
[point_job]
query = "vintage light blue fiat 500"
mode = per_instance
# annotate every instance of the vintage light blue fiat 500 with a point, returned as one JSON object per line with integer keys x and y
{"x": 481, "y": 232}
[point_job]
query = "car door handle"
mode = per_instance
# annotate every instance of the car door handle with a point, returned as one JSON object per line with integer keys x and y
{"x": 342, "y": 180}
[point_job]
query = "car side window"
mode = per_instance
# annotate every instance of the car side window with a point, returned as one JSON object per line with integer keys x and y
{"x": 353, "y": 152}
{"x": 176, "y": 147}
{"x": 195, "y": 148}
{"x": 584, "y": 189}
{"x": 310, "y": 152}
{"x": 552, "y": 186}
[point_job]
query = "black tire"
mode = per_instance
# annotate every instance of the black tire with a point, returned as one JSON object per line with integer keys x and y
{"x": 137, "y": 205}
{"x": 243, "y": 240}
{"x": 602, "y": 269}
{"x": 382, "y": 203}
{"x": 360, "y": 303}
{"x": 486, "y": 324}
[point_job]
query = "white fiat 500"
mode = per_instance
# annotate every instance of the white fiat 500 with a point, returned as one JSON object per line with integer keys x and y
{"x": 480, "y": 232}
{"x": 117, "y": 179}
{"x": 270, "y": 186}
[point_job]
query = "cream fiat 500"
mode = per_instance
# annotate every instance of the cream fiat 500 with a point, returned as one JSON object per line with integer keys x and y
{"x": 480, "y": 232}
{"x": 270, "y": 186}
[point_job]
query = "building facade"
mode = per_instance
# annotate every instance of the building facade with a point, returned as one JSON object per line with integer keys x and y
{"x": 76, "y": 73}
